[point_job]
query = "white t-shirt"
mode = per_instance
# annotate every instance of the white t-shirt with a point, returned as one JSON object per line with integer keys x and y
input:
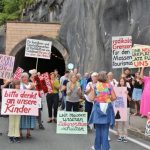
{"x": 89, "y": 85}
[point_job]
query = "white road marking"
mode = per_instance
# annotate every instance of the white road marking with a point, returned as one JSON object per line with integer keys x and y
{"x": 133, "y": 140}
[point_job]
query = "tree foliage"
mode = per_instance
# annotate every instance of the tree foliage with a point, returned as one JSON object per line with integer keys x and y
{"x": 12, "y": 9}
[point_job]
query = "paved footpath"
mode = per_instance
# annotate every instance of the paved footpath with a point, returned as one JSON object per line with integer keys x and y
{"x": 49, "y": 140}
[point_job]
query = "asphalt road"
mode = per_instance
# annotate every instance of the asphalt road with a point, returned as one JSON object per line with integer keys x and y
{"x": 49, "y": 140}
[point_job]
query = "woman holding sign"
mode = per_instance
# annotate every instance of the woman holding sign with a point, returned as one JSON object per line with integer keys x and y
{"x": 102, "y": 114}
{"x": 14, "y": 120}
{"x": 27, "y": 122}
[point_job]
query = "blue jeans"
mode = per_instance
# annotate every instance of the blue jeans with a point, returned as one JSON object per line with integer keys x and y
{"x": 101, "y": 139}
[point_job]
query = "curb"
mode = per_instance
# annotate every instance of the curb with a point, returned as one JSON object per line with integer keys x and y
{"x": 138, "y": 133}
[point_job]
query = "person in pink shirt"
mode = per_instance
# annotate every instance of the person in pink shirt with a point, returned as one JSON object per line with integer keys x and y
{"x": 145, "y": 102}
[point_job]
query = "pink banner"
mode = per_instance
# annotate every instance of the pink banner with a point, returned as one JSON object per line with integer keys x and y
{"x": 120, "y": 104}
{"x": 46, "y": 77}
{"x": 20, "y": 102}
{"x": 17, "y": 74}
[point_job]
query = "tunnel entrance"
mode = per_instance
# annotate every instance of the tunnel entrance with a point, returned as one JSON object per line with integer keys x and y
{"x": 44, "y": 65}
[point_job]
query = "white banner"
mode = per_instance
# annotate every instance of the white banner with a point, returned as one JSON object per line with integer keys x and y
{"x": 122, "y": 52}
{"x": 6, "y": 66}
{"x": 20, "y": 102}
{"x": 38, "y": 48}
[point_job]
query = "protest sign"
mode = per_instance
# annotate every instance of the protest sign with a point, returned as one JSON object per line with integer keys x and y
{"x": 46, "y": 77}
{"x": 141, "y": 56}
{"x": 6, "y": 66}
{"x": 38, "y": 48}
{"x": 71, "y": 122}
{"x": 20, "y": 102}
{"x": 120, "y": 104}
{"x": 122, "y": 51}
{"x": 17, "y": 74}
{"x": 147, "y": 130}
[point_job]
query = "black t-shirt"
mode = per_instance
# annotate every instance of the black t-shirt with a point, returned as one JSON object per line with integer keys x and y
{"x": 65, "y": 84}
{"x": 137, "y": 85}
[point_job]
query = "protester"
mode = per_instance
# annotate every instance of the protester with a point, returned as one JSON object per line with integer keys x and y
{"x": 111, "y": 79}
{"x": 102, "y": 114}
{"x": 145, "y": 102}
{"x": 73, "y": 94}
{"x": 63, "y": 82}
{"x": 34, "y": 73}
{"x": 137, "y": 92}
{"x": 122, "y": 126}
{"x": 53, "y": 98}
{"x": 27, "y": 122}
{"x": 90, "y": 86}
{"x": 14, "y": 121}
{"x": 129, "y": 77}
{"x": 79, "y": 79}
{"x": 85, "y": 81}
{"x": 57, "y": 76}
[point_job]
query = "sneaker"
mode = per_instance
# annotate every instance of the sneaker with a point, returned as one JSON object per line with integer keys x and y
{"x": 119, "y": 139}
{"x": 17, "y": 140}
{"x": 93, "y": 148}
{"x": 124, "y": 139}
{"x": 41, "y": 127}
{"x": 11, "y": 139}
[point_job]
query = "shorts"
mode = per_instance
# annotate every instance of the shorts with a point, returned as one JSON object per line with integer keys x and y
{"x": 137, "y": 94}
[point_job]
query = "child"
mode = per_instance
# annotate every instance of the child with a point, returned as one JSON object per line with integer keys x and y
{"x": 14, "y": 121}
{"x": 122, "y": 125}
{"x": 137, "y": 91}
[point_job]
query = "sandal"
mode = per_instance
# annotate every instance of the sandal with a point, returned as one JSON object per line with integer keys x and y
{"x": 50, "y": 121}
{"x": 28, "y": 136}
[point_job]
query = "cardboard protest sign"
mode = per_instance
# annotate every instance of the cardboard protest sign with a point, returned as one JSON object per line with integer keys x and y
{"x": 38, "y": 48}
{"x": 147, "y": 130}
{"x": 6, "y": 66}
{"x": 71, "y": 122}
{"x": 122, "y": 51}
{"x": 141, "y": 56}
{"x": 120, "y": 104}
{"x": 17, "y": 74}
{"x": 45, "y": 76}
{"x": 20, "y": 102}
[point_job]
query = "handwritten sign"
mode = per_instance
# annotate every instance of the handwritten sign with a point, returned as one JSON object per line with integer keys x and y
{"x": 6, "y": 66}
{"x": 71, "y": 122}
{"x": 20, "y": 102}
{"x": 46, "y": 77}
{"x": 122, "y": 51}
{"x": 141, "y": 56}
{"x": 120, "y": 104}
{"x": 147, "y": 131}
{"x": 38, "y": 48}
{"x": 17, "y": 74}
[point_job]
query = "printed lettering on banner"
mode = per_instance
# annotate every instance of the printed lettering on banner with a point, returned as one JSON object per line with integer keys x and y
{"x": 6, "y": 66}
{"x": 20, "y": 102}
{"x": 120, "y": 104}
{"x": 17, "y": 74}
{"x": 141, "y": 56}
{"x": 122, "y": 51}
{"x": 38, "y": 48}
{"x": 71, "y": 122}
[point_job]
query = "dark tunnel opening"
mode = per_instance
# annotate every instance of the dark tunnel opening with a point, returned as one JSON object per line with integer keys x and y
{"x": 56, "y": 61}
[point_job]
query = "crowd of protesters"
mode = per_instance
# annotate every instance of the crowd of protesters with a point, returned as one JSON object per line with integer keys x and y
{"x": 96, "y": 89}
